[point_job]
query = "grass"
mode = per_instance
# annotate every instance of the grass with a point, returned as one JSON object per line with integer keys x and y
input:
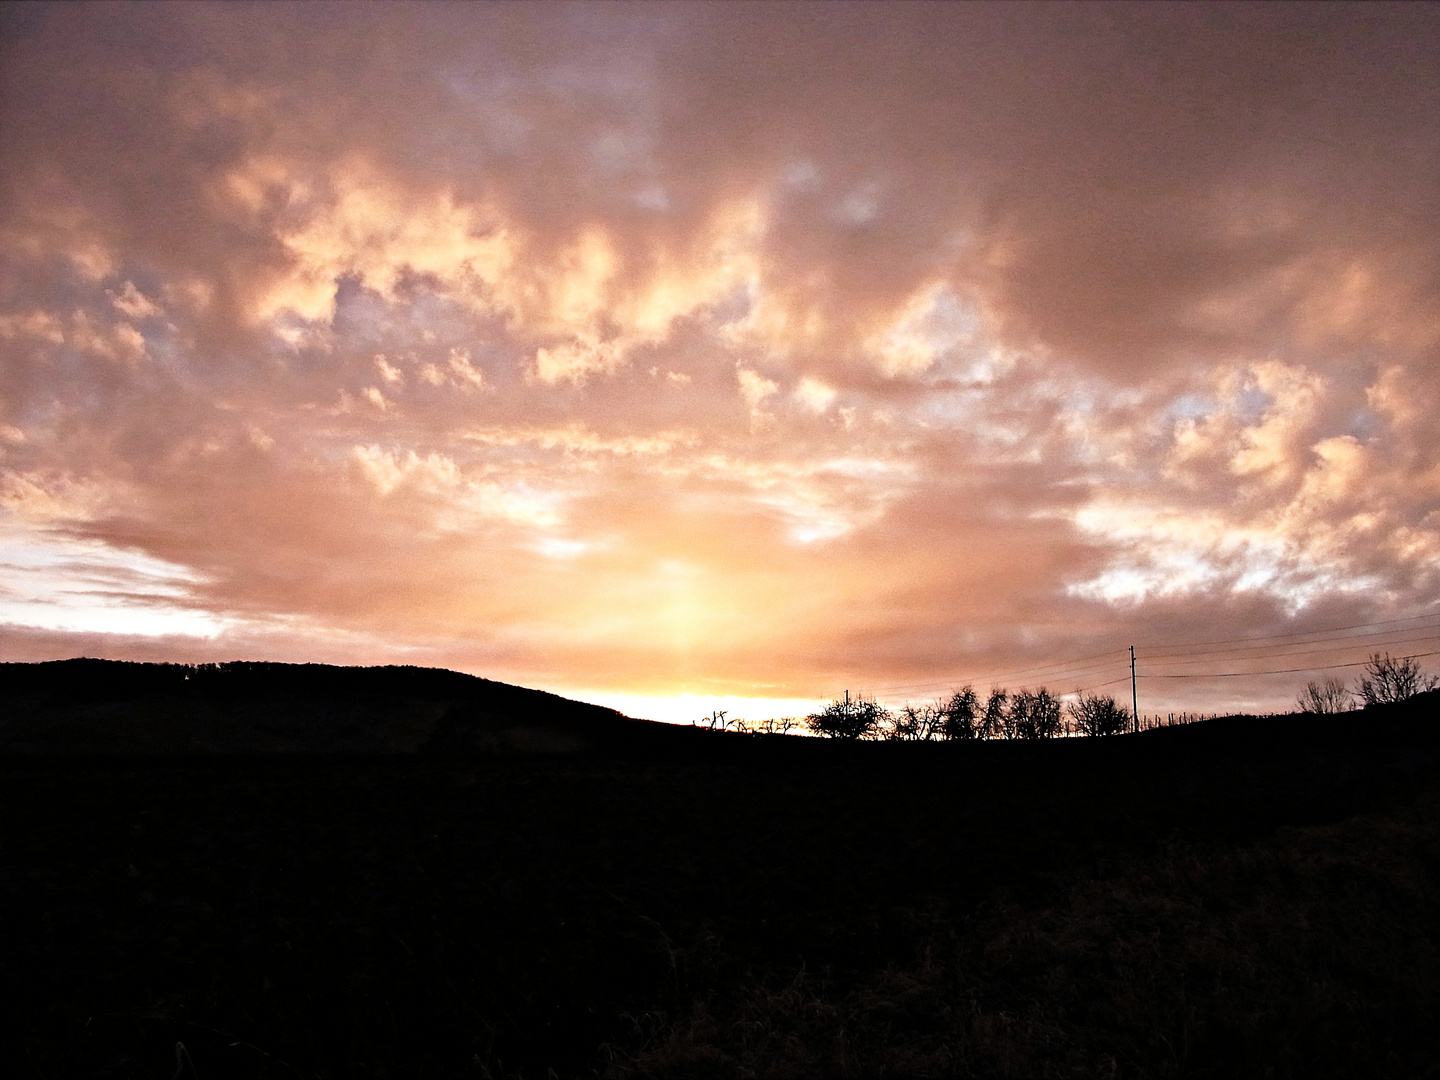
{"x": 1310, "y": 953}
{"x": 1231, "y": 898}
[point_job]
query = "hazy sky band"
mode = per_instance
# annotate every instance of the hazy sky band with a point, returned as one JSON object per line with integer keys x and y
{"x": 758, "y": 350}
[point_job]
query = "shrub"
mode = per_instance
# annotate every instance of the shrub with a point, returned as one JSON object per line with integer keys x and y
{"x": 1387, "y": 680}
{"x": 1325, "y": 698}
{"x": 845, "y": 718}
{"x": 1099, "y": 715}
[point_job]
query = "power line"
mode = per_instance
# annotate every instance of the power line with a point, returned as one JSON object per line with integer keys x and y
{"x": 1278, "y": 641}
{"x": 951, "y": 684}
{"x": 1278, "y": 671}
{"x": 1306, "y": 633}
{"x": 1263, "y": 646}
{"x": 1101, "y": 686}
{"x": 1070, "y": 670}
{"x": 1299, "y": 652}
{"x": 1340, "y": 642}
{"x": 1042, "y": 670}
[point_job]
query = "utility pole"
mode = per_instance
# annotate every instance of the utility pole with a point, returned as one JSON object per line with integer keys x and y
{"x": 1134, "y": 701}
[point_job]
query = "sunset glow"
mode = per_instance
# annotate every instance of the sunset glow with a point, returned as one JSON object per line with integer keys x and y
{"x": 688, "y": 356}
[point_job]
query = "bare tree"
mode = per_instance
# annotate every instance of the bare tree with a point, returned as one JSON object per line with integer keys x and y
{"x": 1099, "y": 715}
{"x": 1325, "y": 698}
{"x": 777, "y": 726}
{"x": 1034, "y": 715}
{"x": 914, "y": 723}
{"x": 962, "y": 717}
{"x": 1388, "y": 680}
{"x": 996, "y": 723}
{"x": 847, "y": 718}
{"x": 1048, "y": 715}
{"x": 1017, "y": 716}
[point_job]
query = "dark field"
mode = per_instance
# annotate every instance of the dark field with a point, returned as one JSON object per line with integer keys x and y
{"x": 1237, "y": 898}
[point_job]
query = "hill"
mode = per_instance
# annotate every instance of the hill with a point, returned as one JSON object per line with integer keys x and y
{"x": 1241, "y": 897}
{"x": 87, "y": 706}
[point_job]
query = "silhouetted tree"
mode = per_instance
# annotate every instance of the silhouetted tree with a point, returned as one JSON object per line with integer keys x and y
{"x": 777, "y": 726}
{"x": 1325, "y": 698}
{"x": 1098, "y": 715}
{"x": 996, "y": 721}
{"x": 915, "y": 723}
{"x": 1387, "y": 681}
{"x": 1017, "y": 715}
{"x": 961, "y": 717}
{"x": 849, "y": 718}
{"x": 1034, "y": 715}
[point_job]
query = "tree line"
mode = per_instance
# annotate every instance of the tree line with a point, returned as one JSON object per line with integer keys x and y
{"x": 965, "y": 715}
{"x": 1024, "y": 714}
{"x": 1040, "y": 714}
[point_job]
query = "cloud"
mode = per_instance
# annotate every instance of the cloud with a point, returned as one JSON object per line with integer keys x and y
{"x": 814, "y": 394}
{"x": 733, "y": 349}
{"x": 755, "y": 388}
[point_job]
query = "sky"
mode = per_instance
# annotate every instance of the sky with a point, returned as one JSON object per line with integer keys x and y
{"x": 725, "y": 355}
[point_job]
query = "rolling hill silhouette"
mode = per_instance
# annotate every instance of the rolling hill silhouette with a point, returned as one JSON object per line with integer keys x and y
{"x": 87, "y": 706}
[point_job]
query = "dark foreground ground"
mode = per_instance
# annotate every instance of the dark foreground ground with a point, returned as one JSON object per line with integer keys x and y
{"x": 1237, "y": 898}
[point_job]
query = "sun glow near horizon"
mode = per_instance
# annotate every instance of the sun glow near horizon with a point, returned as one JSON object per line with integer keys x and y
{"x": 695, "y": 708}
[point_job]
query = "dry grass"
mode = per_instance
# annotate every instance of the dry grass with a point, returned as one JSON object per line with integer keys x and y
{"x": 1227, "y": 899}
{"x": 1311, "y": 953}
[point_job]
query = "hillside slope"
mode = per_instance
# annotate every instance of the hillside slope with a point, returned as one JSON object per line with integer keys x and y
{"x": 87, "y": 706}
